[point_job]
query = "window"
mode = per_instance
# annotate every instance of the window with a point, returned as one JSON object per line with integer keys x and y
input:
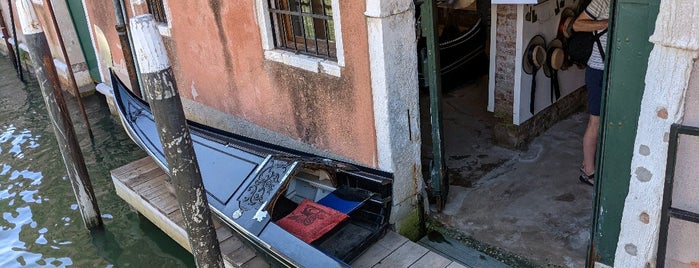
{"x": 157, "y": 8}
{"x": 304, "y": 26}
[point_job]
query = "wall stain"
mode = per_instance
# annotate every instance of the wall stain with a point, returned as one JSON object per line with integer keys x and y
{"x": 313, "y": 96}
{"x": 215, "y": 6}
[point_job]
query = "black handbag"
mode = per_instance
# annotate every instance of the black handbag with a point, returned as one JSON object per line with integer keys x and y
{"x": 579, "y": 46}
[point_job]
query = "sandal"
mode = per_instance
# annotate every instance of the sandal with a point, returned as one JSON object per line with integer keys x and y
{"x": 586, "y": 179}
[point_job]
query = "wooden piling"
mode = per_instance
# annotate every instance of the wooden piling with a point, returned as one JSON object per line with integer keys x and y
{"x": 162, "y": 94}
{"x": 122, "y": 28}
{"x": 71, "y": 75}
{"x": 55, "y": 104}
{"x": 6, "y": 36}
{"x": 14, "y": 37}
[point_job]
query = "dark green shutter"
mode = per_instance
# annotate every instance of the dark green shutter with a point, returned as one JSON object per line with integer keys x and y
{"x": 77, "y": 13}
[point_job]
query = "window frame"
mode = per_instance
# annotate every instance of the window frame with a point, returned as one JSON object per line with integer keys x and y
{"x": 164, "y": 28}
{"x": 310, "y": 63}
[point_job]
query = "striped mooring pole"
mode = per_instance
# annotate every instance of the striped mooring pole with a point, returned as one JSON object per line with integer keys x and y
{"x": 161, "y": 92}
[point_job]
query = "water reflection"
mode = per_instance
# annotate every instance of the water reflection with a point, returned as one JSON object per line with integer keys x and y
{"x": 41, "y": 225}
{"x": 19, "y": 189}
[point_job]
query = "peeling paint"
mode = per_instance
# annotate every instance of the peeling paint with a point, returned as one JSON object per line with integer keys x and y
{"x": 27, "y": 18}
{"x": 195, "y": 94}
{"x": 148, "y": 44}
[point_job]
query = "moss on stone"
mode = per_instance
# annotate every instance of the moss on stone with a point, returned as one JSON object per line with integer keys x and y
{"x": 410, "y": 226}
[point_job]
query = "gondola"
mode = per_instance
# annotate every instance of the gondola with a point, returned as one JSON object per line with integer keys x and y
{"x": 299, "y": 209}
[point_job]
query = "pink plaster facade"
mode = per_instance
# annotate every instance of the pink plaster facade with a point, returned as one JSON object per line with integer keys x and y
{"x": 216, "y": 52}
{"x": 43, "y": 13}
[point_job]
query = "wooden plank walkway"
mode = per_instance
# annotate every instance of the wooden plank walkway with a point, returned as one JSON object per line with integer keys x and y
{"x": 142, "y": 184}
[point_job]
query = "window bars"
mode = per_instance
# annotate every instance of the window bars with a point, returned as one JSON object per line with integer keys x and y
{"x": 304, "y": 26}
{"x": 667, "y": 210}
{"x": 156, "y": 8}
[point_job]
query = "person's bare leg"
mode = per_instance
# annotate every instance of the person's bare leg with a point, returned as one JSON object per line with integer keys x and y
{"x": 590, "y": 144}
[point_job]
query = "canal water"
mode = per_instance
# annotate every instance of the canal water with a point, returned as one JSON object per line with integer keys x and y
{"x": 40, "y": 224}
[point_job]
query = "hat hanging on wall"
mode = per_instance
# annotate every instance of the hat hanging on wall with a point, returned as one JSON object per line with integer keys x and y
{"x": 534, "y": 58}
{"x": 534, "y": 54}
{"x": 565, "y": 25}
{"x": 555, "y": 57}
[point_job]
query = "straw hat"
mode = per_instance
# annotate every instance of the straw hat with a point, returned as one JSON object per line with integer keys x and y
{"x": 534, "y": 54}
{"x": 565, "y": 25}
{"x": 555, "y": 57}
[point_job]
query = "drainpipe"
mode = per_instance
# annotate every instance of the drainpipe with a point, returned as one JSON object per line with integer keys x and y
{"x": 122, "y": 30}
{"x": 438, "y": 179}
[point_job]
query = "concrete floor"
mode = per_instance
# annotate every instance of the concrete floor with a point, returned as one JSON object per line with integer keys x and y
{"x": 528, "y": 203}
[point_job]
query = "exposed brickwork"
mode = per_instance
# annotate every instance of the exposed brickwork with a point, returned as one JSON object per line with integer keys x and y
{"x": 505, "y": 60}
{"x": 517, "y": 137}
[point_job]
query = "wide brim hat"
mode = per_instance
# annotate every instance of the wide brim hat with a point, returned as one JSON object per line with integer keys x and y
{"x": 565, "y": 25}
{"x": 534, "y": 55}
{"x": 555, "y": 57}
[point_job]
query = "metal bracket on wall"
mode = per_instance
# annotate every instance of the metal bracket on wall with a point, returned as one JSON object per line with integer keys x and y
{"x": 667, "y": 210}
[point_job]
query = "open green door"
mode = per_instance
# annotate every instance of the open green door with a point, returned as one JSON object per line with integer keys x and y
{"x": 77, "y": 14}
{"x": 633, "y": 22}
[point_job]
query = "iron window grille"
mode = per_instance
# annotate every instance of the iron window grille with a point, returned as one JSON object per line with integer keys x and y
{"x": 304, "y": 26}
{"x": 156, "y": 8}
{"x": 668, "y": 211}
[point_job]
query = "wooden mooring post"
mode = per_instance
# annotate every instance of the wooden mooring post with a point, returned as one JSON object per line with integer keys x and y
{"x": 6, "y": 36}
{"x": 14, "y": 37}
{"x": 60, "y": 118}
{"x": 122, "y": 28}
{"x": 161, "y": 90}
{"x": 69, "y": 68}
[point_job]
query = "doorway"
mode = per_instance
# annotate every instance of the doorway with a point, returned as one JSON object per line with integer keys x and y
{"x": 526, "y": 207}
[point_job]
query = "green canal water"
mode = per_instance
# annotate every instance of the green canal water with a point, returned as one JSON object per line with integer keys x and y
{"x": 40, "y": 225}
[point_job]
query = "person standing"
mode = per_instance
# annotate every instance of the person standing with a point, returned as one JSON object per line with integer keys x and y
{"x": 594, "y": 18}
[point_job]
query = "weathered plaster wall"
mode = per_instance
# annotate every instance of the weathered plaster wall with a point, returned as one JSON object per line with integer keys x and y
{"x": 69, "y": 36}
{"x": 671, "y": 64}
{"x": 102, "y": 20}
{"x": 392, "y": 46}
{"x": 333, "y": 113}
{"x": 217, "y": 57}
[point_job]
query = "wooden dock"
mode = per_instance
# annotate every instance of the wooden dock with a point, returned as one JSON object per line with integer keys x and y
{"x": 142, "y": 184}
